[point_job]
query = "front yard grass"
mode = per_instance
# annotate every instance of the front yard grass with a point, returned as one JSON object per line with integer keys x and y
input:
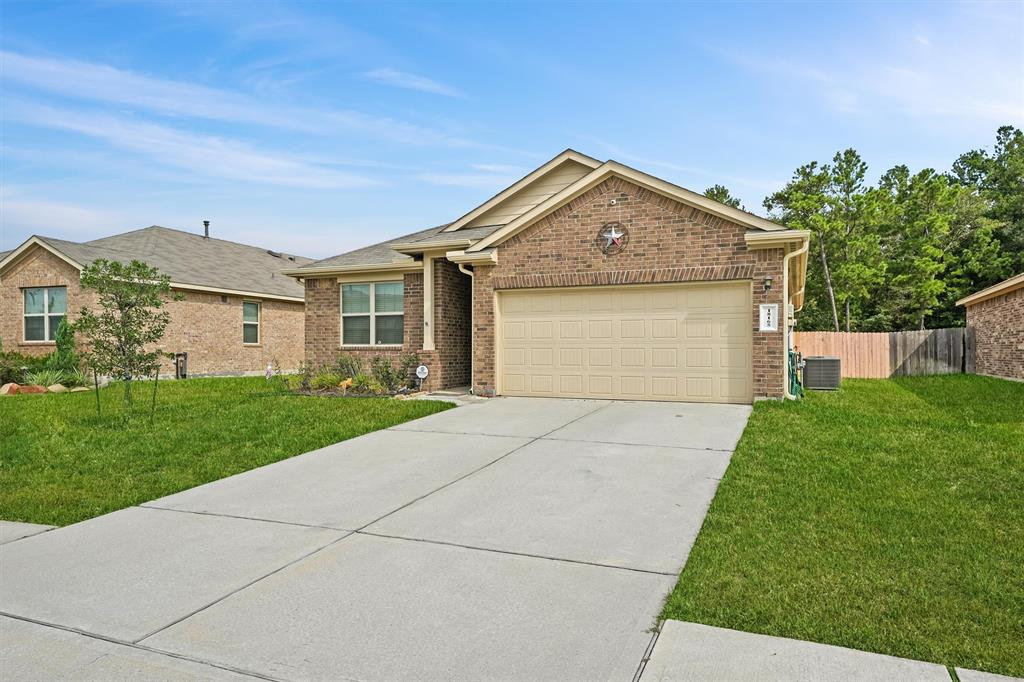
{"x": 60, "y": 463}
{"x": 886, "y": 517}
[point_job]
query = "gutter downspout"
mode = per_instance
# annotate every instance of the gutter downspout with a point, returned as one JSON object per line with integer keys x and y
{"x": 472, "y": 294}
{"x": 785, "y": 314}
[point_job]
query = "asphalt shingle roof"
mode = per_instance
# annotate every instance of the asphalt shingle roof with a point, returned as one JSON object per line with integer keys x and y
{"x": 384, "y": 253}
{"x": 190, "y": 258}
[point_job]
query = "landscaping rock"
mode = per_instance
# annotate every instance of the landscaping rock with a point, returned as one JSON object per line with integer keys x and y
{"x": 9, "y": 389}
{"x": 80, "y": 389}
{"x": 22, "y": 390}
{"x": 57, "y": 388}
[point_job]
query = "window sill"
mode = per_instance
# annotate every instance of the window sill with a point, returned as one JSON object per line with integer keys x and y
{"x": 37, "y": 343}
{"x": 251, "y": 345}
{"x": 367, "y": 346}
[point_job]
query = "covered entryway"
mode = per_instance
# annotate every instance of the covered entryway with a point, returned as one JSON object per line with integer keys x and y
{"x": 687, "y": 342}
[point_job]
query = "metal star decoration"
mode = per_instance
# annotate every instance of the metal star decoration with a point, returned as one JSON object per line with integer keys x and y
{"x": 613, "y": 237}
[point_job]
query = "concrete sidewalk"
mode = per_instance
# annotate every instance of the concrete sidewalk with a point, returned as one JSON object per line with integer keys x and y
{"x": 691, "y": 652}
{"x": 16, "y": 530}
{"x": 513, "y": 538}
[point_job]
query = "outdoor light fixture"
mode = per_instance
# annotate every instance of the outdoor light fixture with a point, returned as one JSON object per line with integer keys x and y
{"x": 768, "y": 284}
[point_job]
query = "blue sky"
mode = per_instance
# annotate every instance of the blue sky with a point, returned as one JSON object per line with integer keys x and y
{"x": 316, "y": 128}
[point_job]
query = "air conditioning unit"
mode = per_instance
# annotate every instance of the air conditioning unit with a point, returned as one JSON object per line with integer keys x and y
{"x": 822, "y": 373}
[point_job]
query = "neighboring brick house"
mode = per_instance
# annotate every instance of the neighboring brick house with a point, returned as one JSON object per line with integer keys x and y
{"x": 238, "y": 311}
{"x": 996, "y": 315}
{"x": 584, "y": 279}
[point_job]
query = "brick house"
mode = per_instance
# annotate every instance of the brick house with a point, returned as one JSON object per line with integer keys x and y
{"x": 996, "y": 315}
{"x": 238, "y": 313}
{"x": 583, "y": 279}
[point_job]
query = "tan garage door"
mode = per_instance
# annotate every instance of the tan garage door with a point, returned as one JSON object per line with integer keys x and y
{"x": 657, "y": 342}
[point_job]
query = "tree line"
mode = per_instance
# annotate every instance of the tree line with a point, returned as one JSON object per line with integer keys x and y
{"x": 897, "y": 254}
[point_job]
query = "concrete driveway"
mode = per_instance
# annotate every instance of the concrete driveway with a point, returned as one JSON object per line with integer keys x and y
{"x": 515, "y": 538}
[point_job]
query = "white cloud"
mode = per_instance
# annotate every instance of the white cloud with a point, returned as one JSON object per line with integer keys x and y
{"x": 99, "y": 82}
{"x": 474, "y": 180}
{"x": 961, "y": 68}
{"x": 410, "y": 81}
{"x": 205, "y": 155}
{"x": 25, "y": 215}
{"x": 499, "y": 168}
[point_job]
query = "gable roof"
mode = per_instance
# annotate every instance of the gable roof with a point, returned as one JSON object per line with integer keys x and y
{"x": 191, "y": 260}
{"x": 528, "y": 191}
{"x": 515, "y": 208}
{"x": 615, "y": 169}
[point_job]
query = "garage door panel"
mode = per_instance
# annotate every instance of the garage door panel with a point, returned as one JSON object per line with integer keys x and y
{"x": 570, "y": 329}
{"x": 664, "y": 328}
{"x": 541, "y": 329}
{"x": 698, "y": 328}
{"x": 699, "y": 358}
{"x": 632, "y": 329}
{"x": 600, "y": 385}
{"x": 514, "y": 331}
{"x": 632, "y": 357}
{"x": 734, "y": 327}
{"x": 515, "y": 357}
{"x": 570, "y": 383}
{"x": 664, "y": 358}
{"x": 647, "y": 342}
{"x": 599, "y": 329}
{"x": 632, "y": 386}
{"x": 699, "y": 388}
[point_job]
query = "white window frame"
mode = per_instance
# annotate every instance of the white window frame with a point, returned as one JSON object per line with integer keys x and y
{"x": 49, "y": 335}
{"x": 373, "y": 314}
{"x": 258, "y": 323}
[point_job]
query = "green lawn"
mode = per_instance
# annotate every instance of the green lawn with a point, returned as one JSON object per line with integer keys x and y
{"x": 60, "y": 463}
{"x": 886, "y": 517}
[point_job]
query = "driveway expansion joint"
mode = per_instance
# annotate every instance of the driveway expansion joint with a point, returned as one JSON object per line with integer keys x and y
{"x": 244, "y": 518}
{"x": 481, "y": 468}
{"x": 633, "y": 445}
{"x": 243, "y": 587}
{"x": 139, "y": 647}
{"x": 649, "y": 651}
{"x": 513, "y": 553}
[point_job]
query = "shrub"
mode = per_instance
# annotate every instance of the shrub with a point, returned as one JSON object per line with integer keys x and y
{"x": 348, "y": 366}
{"x": 45, "y": 377}
{"x": 385, "y": 373}
{"x": 407, "y": 363}
{"x": 13, "y": 366}
{"x": 65, "y": 358}
{"x": 392, "y": 377}
{"x": 364, "y": 384}
{"x": 325, "y": 379}
{"x": 76, "y": 377}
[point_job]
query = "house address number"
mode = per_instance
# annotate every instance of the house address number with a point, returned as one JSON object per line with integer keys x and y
{"x": 769, "y": 317}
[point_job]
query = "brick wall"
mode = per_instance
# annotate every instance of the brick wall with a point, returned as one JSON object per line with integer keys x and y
{"x": 206, "y": 326}
{"x": 452, "y": 323}
{"x": 448, "y": 363}
{"x": 668, "y": 242}
{"x": 999, "y": 335}
{"x": 38, "y": 268}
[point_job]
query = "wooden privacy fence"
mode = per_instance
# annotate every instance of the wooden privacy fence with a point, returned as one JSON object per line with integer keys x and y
{"x": 869, "y": 355}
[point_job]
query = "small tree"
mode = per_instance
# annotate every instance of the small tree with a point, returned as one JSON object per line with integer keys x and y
{"x": 130, "y": 319}
{"x": 65, "y": 358}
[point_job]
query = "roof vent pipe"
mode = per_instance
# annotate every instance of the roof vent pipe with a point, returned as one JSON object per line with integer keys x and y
{"x": 206, "y": 229}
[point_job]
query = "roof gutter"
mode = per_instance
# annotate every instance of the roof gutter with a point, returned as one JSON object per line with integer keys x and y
{"x": 488, "y": 257}
{"x": 408, "y": 265}
{"x": 409, "y": 248}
